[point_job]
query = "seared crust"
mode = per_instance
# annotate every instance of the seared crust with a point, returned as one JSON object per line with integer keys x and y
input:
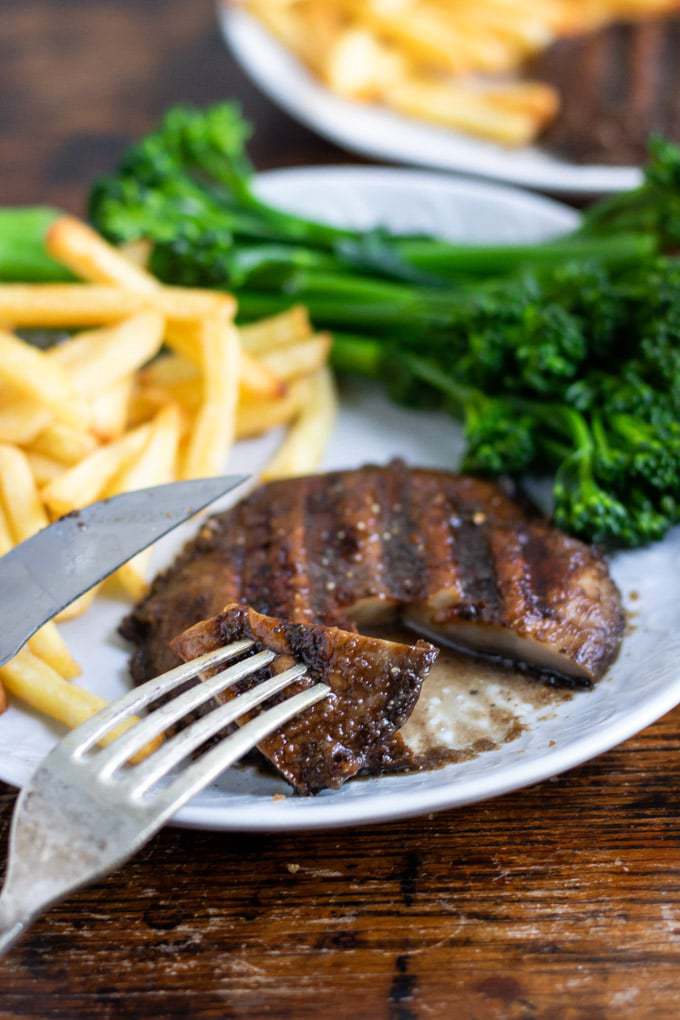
{"x": 455, "y": 554}
{"x": 375, "y": 685}
{"x": 618, "y": 86}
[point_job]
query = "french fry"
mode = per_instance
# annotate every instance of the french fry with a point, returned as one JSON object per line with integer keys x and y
{"x": 253, "y": 417}
{"x": 6, "y": 540}
{"x": 26, "y": 515}
{"x": 85, "y": 482}
{"x": 83, "y": 304}
{"x": 34, "y": 682}
{"x": 77, "y": 608}
{"x": 360, "y": 65}
{"x": 21, "y": 419}
{"x": 289, "y": 327}
{"x": 23, "y": 507}
{"x": 427, "y": 36}
{"x": 48, "y": 644}
{"x": 455, "y": 106}
{"x": 146, "y": 402}
{"x": 155, "y": 465}
{"x": 33, "y": 373}
{"x": 109, "y": 410}
{"x": 304, "y": 358}
{"x": 45, "y": 469}
{"x": 169, "y": 370}
{"x": 64, "y": 443}
{"x": 213, "y": 431}
{"x": 254, "y": 379}
{"x": 303, "y": 447}
{"x": 89, "y": 256}
{"x": 101, "y": 358}
{"x": 385, "y": 50}
{"x": 66, "y": 304}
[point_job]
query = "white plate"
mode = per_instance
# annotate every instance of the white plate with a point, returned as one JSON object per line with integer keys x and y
{"x": 381, "y": 134}
{"x": 644, "y": 683}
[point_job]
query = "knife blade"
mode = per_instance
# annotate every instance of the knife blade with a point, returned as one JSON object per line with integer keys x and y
{"x": 54, "y": 567}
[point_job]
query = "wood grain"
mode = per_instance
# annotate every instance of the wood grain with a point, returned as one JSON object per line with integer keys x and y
{"x": 557, "y": 903}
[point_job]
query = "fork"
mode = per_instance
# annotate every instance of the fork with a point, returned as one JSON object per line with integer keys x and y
{"x": 82, "y": 814}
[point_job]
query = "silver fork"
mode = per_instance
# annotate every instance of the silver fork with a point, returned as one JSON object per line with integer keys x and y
{"x": 82, "y": 815}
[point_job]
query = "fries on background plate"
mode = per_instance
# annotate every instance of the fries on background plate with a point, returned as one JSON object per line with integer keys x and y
{"x": 450, "y": 62}
{"x": 150, "y": 385}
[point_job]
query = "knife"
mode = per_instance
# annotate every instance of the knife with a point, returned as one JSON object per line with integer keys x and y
{"x": 57, "y": 565}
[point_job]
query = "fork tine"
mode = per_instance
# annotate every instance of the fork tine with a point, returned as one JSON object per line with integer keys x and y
{"x": 157, "y": 722}
{"x": 209, "y": 766}
{"x": 81, "y": 739}
{"x": 142, "y": 777}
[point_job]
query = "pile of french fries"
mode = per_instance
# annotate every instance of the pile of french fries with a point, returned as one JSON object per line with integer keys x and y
{"x": 150, "y": 384}
{"x": 449, "y": 62}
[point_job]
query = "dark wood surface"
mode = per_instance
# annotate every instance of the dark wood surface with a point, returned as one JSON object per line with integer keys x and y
{"x": 557, "y": 903}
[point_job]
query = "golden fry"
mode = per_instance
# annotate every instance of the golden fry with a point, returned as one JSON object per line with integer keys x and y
{"x": 21, "y": 419}
{"x": 155, "y": 465}
{"x": 23, "y": 507}
{"x": 109, "y": 411}
{"x": 169, "y": 370}
{"x": 84, "y": 304}
{"x": 212, "y": 434}
{"x": 289, "y": 327}
{"x": 304, "y": 358}
{"x": 254, "y": 379}
{"x": 77, "y": 608}
{"x": 31, "y": 680}
{"x": 463, "y": 109}
{"x": 6, "y": 540}
{"x": 385, "y": 50}
{"x": 253, "y": 417}
{"x": 86, "y": 481}
{"x": 146, "y": 402}
{"x": 25, "y": 515}
{"x": 45, "y": 469}
{"x": 66, "y": 304}
{"x": 101, "y": 358}
{"x": 303, "y": 447}
{"x": 89, "y": 256}
{"x": 361, "y": 66}
{"x": 48, "y": 644}
{"x": 64, "y": 443}
{"x": 33, "y": 373}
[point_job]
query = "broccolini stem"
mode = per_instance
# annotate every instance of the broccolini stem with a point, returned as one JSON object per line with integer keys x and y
{"x": 22, "y": 246}
{"x": 357, "y": 355}
{"x": 481, "y": 260}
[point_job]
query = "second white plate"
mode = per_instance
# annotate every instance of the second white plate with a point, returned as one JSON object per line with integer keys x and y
{"x": 377, "y": 132}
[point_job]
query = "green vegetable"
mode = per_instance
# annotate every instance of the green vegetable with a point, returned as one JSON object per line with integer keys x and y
{"x": 560, "y": 358}
{"x": 22, "y": 247}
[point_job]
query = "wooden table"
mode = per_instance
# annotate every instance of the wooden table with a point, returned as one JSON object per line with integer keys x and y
{"x": 557, "y": 903}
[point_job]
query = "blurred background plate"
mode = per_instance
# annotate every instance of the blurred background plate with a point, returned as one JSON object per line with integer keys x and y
{"x": 381, "y": 134}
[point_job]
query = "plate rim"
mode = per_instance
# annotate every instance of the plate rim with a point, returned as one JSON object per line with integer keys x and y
{"x": 242, "y": 32}
{"x": 518, "y": 776}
